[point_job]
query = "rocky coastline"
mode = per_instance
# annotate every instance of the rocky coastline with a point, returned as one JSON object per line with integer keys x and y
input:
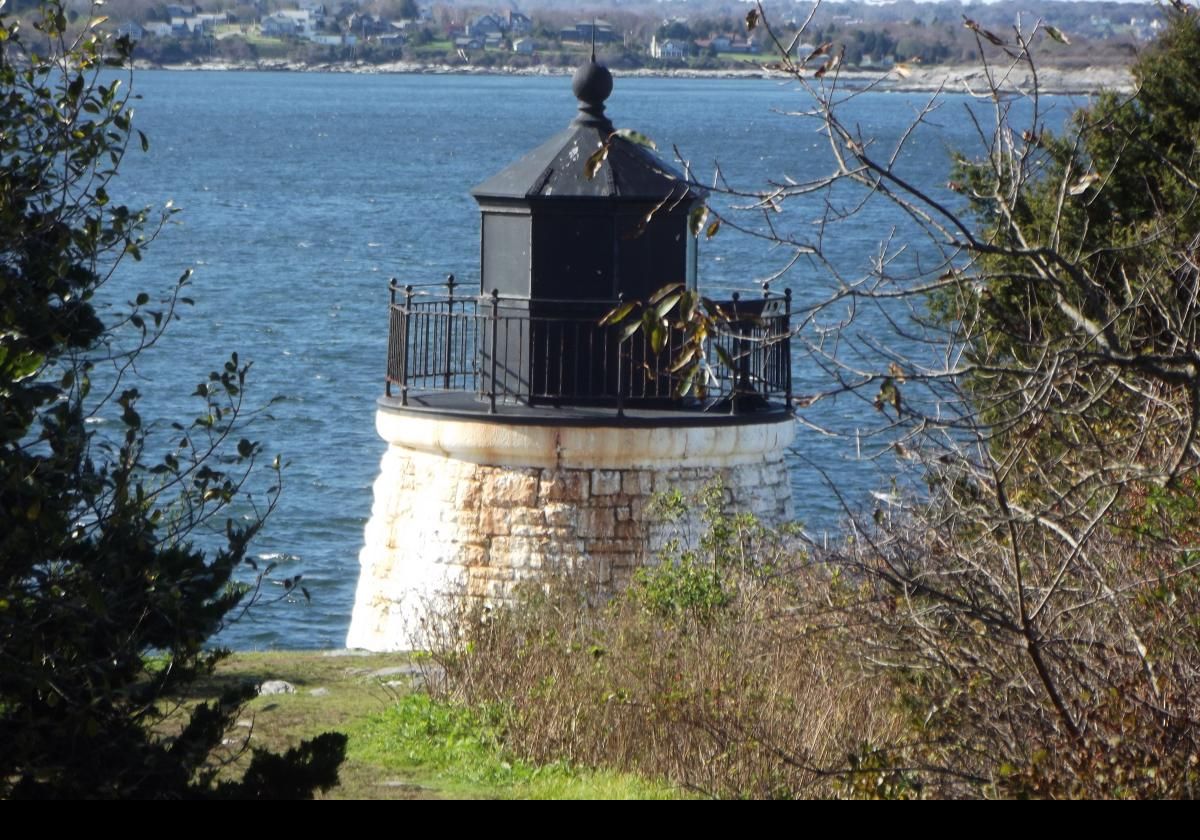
{"x": 949, "y": 78}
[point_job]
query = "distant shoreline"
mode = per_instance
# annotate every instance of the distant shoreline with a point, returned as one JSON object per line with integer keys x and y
{"x": 916, "y": 79}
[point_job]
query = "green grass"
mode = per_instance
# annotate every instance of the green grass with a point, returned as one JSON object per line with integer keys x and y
{"x": 747, "y": 58}
{"x": 458, "y": 751}
{"x": 402, "y": 745}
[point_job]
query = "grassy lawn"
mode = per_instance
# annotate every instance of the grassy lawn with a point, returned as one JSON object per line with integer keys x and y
{"x": 402, "y": 745}
{"x": 747, "y": 58}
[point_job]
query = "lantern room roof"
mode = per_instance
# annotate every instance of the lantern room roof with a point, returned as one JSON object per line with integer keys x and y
{"x": 559, "y": 167}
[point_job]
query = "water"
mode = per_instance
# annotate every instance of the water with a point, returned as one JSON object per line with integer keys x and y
{"x": 303, "y": 193}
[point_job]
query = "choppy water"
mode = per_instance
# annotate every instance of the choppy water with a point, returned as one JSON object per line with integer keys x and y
{"x": 303, "y": 193}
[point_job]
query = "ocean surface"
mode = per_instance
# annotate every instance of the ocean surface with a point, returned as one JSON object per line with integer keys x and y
{"x": 302, "y": 194}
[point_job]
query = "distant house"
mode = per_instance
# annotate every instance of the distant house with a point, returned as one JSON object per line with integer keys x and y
{"x": 871, "y": 61}
{"x": 524, "y": 46}
{"x": 369, "y": 26}
{"x": 667, "y": 50}
{"x": 132, "y": 29}
{"x": 746, "y": 47}
{"x": 730, "y": 44}
{"x": 485, "y": 25}
{"x": 157, "y": 28}
{"x": 178, "y": 10}
{"x": 466, "y": 42}
{"x": 297, "y": 23}
{"x": 207, "y": 21}
{"x": 582, "y": 32}
{"x": 518, "y": 24}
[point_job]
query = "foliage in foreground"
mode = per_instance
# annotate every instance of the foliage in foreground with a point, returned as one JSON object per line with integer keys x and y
{"x": 1034, "y": 609}
{"x": 463, "y": 749}
{"x": 785, "y": 678}
{"x": 105, "y": 603}
{"x": 722, "y": 670}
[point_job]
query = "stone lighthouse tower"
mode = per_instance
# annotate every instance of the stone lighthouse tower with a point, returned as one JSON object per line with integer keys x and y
{"x": 526, "y": 438}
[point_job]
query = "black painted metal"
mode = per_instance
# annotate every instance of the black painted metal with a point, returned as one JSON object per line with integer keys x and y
{"x": 557, "y": 238}
{"x": 482, "y": 346}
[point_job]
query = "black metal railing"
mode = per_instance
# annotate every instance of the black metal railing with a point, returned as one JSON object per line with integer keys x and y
{"x": 556, "y": 352}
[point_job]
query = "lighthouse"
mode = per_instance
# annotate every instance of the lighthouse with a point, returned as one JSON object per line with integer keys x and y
{"x": 527, "y": 435}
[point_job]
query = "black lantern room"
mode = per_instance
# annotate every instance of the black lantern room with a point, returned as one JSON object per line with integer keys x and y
{"x": 558, "y": 228}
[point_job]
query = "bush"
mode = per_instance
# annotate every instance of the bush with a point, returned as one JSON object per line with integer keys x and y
{"x": 105, "y": 604}
{"x": 1033, "y": 608}
{"x": 724, "y": 677}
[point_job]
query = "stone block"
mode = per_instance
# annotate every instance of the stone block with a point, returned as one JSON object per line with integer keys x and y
{"x": 473, "y": 556}
{"x": 493, "y": 522}
{"x": 537, "y": 532}
{"x": 605, "y": 547}
{"x": 565, "y": 486}
{"x": 623, "y": 560}
{"x": 606, "y": 482}
{"x": 596, "y": 522}
{"x": 637, "y": 483}
{"x": 560, "y": 515}
{"x": 527, "y": 516}
{"x": 612, "y": 500}
{"x": 468, "y": 495}
{"x": 629, "y": 529}
{"x": 507, "y": 489}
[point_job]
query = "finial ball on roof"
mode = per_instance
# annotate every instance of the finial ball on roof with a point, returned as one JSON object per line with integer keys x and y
{"x": 592, "y": 83}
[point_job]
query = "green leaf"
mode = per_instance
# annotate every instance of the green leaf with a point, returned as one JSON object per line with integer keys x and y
{"x": 724, "y": 356}
{"x": 635, "y": 137}
{"x": 592, "y": 165}
{"x": 684, "y": 359}
{"x": 618, "y": 314}
{"x": 663, "y": 292}
{"x": 687, "y": 382}
{"x": 629, "y": 329}
{"x": 1057, "y": 34}
{"x": 666, "y": 305}
{"x": 658, "y": 337}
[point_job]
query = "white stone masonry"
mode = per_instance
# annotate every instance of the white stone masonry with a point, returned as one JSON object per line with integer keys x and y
{"x": 468, "y": 510}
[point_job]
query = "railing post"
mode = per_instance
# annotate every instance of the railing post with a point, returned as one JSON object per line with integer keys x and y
{"x": 404, "y": 322}
{"x": 787, "y": 346}
{"x": 449, "y": 329}
{"x": 495, "y": 335}
{"x": 387, "y": 379}
{"x": 620, "y": 367}
{"x": 737, "y": 356}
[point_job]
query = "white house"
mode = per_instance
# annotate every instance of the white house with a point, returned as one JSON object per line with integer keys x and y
{"x": 667, "y": 50}
{"x": 132, "y": 29}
